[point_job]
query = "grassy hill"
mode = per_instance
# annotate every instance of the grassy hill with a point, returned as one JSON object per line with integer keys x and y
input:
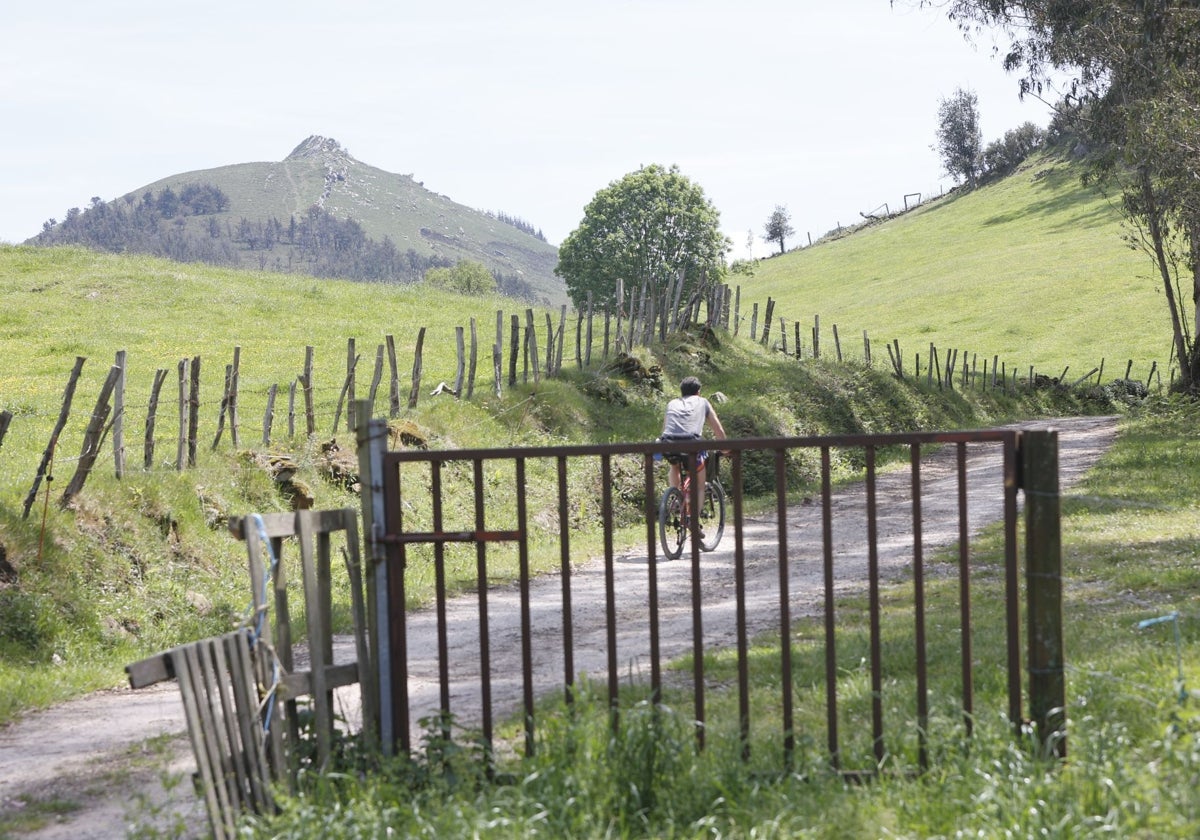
{"x": 320, "y": 173}
{"x": 1032, "y": 269}
{"x": 137, "y": 565}
{"x": 985, "y": 271}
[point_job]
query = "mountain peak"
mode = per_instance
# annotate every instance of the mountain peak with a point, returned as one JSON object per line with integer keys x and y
{"x": 318, "y": 146}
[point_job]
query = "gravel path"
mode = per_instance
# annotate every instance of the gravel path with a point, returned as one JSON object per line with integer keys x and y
{"x": 110, "y": 752}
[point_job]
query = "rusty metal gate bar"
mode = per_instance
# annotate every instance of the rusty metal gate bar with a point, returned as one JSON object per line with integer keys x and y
{"x": 391, "y": 539}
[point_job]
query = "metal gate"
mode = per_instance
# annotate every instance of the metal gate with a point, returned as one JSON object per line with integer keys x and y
{"x": 491, "y": 652}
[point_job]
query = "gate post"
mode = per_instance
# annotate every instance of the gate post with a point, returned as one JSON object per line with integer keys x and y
{"x": 1043, "y": 572}
{"x": 372, "y": 436}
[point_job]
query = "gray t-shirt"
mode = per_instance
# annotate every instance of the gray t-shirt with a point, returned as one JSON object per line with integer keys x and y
{"x": 686, "y": 416}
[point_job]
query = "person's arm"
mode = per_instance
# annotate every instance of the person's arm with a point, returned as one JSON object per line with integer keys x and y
{"x": 714, "y": 423}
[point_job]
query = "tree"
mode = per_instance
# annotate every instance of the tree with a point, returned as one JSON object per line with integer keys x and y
{"x": 466, "y": 276}
{"x": 959, "y": 138}
{"x": 650, "y": 227}
{"x": 1134, "y": 91}
{"x": 779, "y": 226}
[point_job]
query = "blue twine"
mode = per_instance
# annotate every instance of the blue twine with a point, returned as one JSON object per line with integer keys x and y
{"x": 260, "y": 616}
{"x": 1172, "y": 617}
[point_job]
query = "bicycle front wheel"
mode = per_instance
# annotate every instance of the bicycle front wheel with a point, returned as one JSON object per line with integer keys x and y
{"x": 712, "y": 515}
{"x": 671, "y": 526}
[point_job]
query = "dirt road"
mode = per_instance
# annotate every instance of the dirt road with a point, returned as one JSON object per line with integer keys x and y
{"x": 110, "y": 752}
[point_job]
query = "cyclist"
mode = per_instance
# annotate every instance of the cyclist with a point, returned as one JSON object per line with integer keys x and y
{"x": 686, "y": 417}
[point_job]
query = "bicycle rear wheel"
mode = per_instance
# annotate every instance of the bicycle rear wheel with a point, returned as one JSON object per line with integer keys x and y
{"x": 671, "y": 526}
{"x": 712, "y": 515}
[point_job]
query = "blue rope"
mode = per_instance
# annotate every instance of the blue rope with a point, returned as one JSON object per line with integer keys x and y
{"x": 260, "y": 616}
{"x": 1172, "y": 617}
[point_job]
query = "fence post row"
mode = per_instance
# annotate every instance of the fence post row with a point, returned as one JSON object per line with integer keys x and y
{"x": 638, "y": 319}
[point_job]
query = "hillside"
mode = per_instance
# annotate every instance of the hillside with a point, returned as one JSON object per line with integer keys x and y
{"x": 320, "y": 174}
{"x": 1033, "y": 269}
{"x": 945, "y": 273}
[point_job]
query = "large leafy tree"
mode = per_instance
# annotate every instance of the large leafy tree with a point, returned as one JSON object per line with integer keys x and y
{"x": 959, "y": 138}
{"x": 1134, "y": 83}
{"x": 650, "y": 227}
{"x": 779, "y": 226}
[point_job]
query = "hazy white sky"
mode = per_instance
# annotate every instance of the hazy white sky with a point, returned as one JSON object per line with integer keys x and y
{"x": 527, "y": 106}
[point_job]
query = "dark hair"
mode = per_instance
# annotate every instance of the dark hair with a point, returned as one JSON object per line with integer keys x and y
{"x": 689, "y": 386}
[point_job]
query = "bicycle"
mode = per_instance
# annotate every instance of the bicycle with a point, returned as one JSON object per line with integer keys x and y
{"x": 674, "y": 521}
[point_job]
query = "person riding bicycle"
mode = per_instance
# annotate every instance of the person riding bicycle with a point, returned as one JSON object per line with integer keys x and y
{"x": 686, "y": 417}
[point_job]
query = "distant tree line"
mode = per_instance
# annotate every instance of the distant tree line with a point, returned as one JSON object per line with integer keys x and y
{"x": 316, "y": 243}
{"x": 518, "y": 223}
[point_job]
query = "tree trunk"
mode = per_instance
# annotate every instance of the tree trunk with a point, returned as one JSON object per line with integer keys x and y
{"x": 1154, "y": 221}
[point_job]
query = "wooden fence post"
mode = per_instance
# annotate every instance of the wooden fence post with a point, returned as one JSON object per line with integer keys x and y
{"x": 193, "y": 410}
{"x": 562, "y": 328}
{"x": 816, "y": 336}
{"x": 118, "y": 427}
{"x": 514, "y": 347}
{"x": 460, "y": 367}
{"x": 532, "y": 346}
{"x": 474, "y": 360}
{"x": 799, "y": 346}
{"x": 837, "y": 344}
{"x": 310, "y": 418}
{"x": 63, "y": 413}
{"x": 224, "y": 406}
{"x": 497, "y": 366}
{"x": 233, "y": 396}
{"x": 292, "y": 408}
{"x": 269, "y": 414}
{"x": 766, "y": 334}
{"x": 5, "y": 418}
{"x": 866, "y": 349}
{"x": 394, "y": 380}
{"x": 1043, "y": 575}
{"x": 376, "y": 378}
{"x": 352, "y": 357}
{"x": 160, "y": 376}
{"x": 754, "y": 323}
{"x": 415, "y": 391}
{"x": 737, "y": 310}
{"x": 181, "y": 452}
{"x": 579, "y": 338}
{"x": 92, "y": 438}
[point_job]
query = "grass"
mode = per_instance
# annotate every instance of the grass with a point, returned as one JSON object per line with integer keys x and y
{"x": 1031, "y": 269}
{"x": 1133, "y": 739}
{"x": 136, "y": 565}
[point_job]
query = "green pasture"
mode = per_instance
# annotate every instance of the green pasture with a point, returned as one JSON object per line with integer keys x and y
{"x": 1032, "y": 269}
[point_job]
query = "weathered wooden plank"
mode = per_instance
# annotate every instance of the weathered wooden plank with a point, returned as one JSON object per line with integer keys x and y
{"x": 317, "y": 632}
{"x": 151, "y": 670}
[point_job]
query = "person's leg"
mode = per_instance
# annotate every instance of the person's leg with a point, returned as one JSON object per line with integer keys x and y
{"x": 673, "y": 475}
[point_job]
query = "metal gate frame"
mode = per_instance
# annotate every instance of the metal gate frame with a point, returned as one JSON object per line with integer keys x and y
{"x": 1030, "y": 464}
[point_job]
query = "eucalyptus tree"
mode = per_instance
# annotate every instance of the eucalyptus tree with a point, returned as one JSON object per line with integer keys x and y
{"x": 1133, "y": 71}
{"x": 650, "y": 227}
{"x": 959, "y": 137}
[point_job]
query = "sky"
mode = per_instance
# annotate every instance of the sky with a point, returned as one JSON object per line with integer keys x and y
{"x": 527, "y": 107}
